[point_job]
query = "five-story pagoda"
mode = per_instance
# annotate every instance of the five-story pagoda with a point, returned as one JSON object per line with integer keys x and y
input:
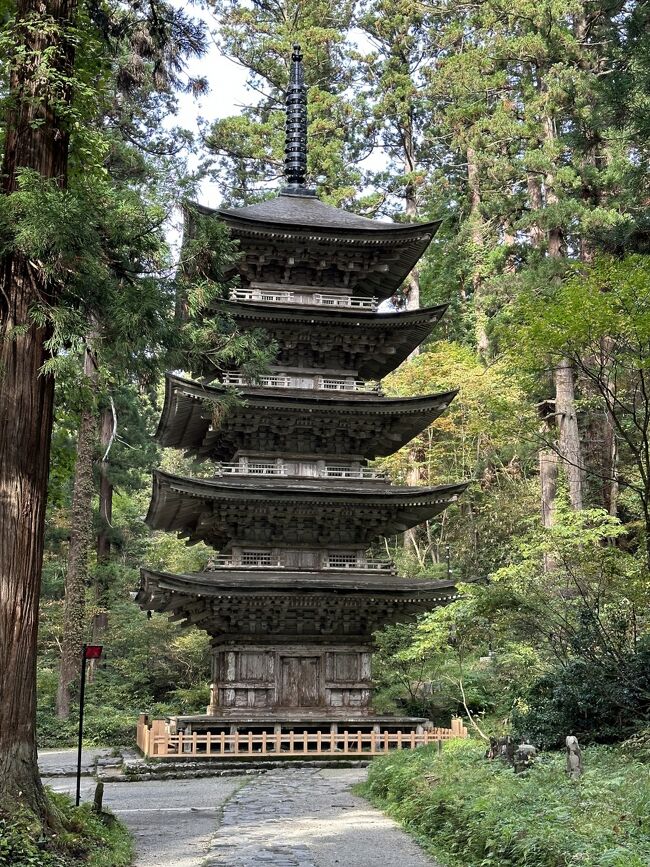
{"x": 292, "y": 599}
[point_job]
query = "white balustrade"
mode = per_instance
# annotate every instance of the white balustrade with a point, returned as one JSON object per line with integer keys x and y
{"x": 259, "y": 468}
{"x": 306, "y": 299}
{"x": 334, "y": 562}
{"x": 252, "y": 469}
{"x": 264, "y": 295}
{"x": 343, "y": 563}
{"x": 317, "y": 383}
{"x": 346, "y": 472}
{"x": 248, "y": 561}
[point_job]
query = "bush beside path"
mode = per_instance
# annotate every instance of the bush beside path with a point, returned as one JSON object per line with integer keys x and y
{"x": 470, "y": 812}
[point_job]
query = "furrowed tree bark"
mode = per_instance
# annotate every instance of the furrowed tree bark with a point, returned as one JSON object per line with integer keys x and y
{"x": 81, "y": 538}
{"x": 563, "y": 375}
{"x": 476, "y": 224}
{"x": 35, "y": 138}
{"x": 547, "y": 457}
{"x": 100, "y": 617}
{"x": 105, "y": 487}
{"x": 26, "y": 404}
{"x": 569, "y": 435}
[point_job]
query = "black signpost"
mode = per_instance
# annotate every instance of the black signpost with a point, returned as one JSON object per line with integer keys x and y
{"x": 89, "y": 651}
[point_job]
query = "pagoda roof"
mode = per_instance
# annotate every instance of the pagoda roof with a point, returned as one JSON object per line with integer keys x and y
{"x": 373, "y": 344}
{"x": 290, "y": 420}
{"x": 264, "y": 511}
{"x": 300, "y": 235}
{"x": 307, "y": 211}
{"x": 298, "y": 603}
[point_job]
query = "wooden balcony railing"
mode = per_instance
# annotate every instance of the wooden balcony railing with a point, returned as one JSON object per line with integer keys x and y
{"x": 333, "y": 564}
{"x": 319, "y": 383}
{"x": 155, "y": 741}
{"x": 312, "y": 299}
{"x": 272, "y": 469}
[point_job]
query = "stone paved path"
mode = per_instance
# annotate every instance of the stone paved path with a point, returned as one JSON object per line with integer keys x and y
{"x": 286, "y": 818}
{"x": 172, "y": 821}
{"x": 308, "y": 818}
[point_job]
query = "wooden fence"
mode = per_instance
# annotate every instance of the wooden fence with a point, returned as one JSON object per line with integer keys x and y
{"x": 154, "y": 740}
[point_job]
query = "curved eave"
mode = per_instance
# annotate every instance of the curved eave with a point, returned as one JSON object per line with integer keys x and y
{"x": 310, "y": 491}
{"x": 230, "y": 610}
{"x": 185, "y": 422}
{"x": 389, "y": 338}
{"x": 344, "y": 316}
{"x": 381, "y": 233}
{"x": 212, "y": 585}
{"x": 407, "y": 241}
{"x": 218, "y": 511}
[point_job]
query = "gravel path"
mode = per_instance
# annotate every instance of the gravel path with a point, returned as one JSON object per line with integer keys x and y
{"x": 286, "y": 818}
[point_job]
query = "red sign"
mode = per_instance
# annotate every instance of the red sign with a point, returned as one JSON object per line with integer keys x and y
{"x": 92, "y": 651}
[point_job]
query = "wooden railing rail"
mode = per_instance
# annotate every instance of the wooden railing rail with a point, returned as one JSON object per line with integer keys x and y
{"x": 310, "y": 299}
{"x": 155, "y": 740}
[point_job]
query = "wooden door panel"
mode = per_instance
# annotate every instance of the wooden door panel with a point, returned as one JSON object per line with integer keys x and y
{"x": 300, "y": 681}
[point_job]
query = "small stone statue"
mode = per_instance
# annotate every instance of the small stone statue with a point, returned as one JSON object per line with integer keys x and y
{"x": 573, "y": 758}
{"x": 501, "y": 748}
{"x": 524, "y": 757}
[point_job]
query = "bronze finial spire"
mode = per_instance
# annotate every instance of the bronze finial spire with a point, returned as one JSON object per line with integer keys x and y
{"x": 295, "y": 160}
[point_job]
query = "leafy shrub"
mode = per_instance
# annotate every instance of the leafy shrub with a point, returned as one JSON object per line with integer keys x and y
{"x": 596, "y": 701}
{"x": 22, "y": 846}
{"x": 474, "y": 813}
{"x": 638, "y": 746}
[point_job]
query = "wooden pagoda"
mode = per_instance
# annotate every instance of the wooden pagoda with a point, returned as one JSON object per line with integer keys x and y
{"x": 292, "y": 598}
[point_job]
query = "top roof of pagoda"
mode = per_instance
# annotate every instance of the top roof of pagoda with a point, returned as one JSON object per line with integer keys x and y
{"x": 303, "y": 210}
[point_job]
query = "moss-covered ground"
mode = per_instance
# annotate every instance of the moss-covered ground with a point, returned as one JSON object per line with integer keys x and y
{"x": 82, "y": 838}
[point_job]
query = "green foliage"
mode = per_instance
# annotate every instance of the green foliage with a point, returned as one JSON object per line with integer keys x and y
{"x": 638, "y": 746}
{"x": 599, "y": 317}
{"x": 470, "y": 812}
{"x": 250, "y": 147}
{"x": 587, "y": 604}
{"x": 149, "y": 665}
{"x": 82, "y": 838}
{"x": 482, "y": 438}
{"x": 544, "y": 651}
{"x": 598, "y": 701}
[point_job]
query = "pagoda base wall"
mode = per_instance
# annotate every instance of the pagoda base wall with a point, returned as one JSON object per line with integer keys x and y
{"x": 318, "y": 679}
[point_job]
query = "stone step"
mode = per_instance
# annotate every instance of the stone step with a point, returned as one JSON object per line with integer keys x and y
{"x": 138, "y": 770}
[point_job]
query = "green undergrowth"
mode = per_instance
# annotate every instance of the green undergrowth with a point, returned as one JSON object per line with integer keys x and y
{"x": 469, "y": 812}
{"x": 83, "y": 838}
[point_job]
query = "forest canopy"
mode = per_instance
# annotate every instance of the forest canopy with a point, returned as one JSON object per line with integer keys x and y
{"x": 524, "y": 129}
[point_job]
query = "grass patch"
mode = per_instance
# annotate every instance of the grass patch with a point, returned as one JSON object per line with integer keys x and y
{"x": 469, "y": 812}
{"x": 84, "y": 839}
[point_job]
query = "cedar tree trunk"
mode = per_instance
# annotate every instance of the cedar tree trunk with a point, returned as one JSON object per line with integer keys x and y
{"x": 36, "y": 139}
{"x": 476, "y": 224}
{"x": 105, "y": 488}
{"x": 563, "y": 375}
{"x": 81, "y": 536}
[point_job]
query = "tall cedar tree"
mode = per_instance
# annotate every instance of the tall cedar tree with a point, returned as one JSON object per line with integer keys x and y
{"x": 151, "y": 45}
{"x": 37, "y": 138}
{"x": 394, "y": 77}
{"x": 528, "y": 101}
